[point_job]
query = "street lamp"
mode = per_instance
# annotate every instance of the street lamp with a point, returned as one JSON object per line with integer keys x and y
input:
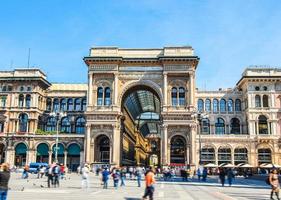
{"x": 200, "y": 116}
{"x": 58, "y": 116}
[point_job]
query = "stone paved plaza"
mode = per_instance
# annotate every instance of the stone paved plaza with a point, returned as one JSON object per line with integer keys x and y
{"x": 35, "y": 189}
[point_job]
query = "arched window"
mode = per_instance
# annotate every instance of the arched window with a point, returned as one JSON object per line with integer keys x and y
{"x": 222, "y": 105}
{"x": 224, "y": 155}
{"x": 23, "y": 122}
{"x": 21, "y": 100}
{"x": 65, "y": 125}
{"x": 238, "y": 105}
{"x": 77, "y": 104}
{"x": 205, "y": 126}
{"x": 80, "y": 125}
{"x": 208, "y": 155}
{"x": 263, "y": 128}
{"x": 1, "y": 127}
{"x": 49, "y": 104}
{"x": 102, "y": 149}
{"x": 3, "y": 101}
{"x": 84, "y": 104}
{"x": 100, "y": 96}
{"x": 70, "y": 104}
{"x": 107, "y": 99}
{"x": 258, "y": 101}
{"x": 235, "y": 126}
{"x": 200, "y": 105}
{"x": 240, "y": 156}
{"x": 174, "y": 96}
{"x": 220, "y": 126}
{"x": 230, "y": 105}
{"x": 265, "y": 101}
{"x": 181, "y": 96}
{"x": 63, "y": 105}
{"x": 178, "y": 149}
{"x": 215, "y": 106}
{"x": 27, "y": 101}
{"x": 208, "y": 105}
{"x": 51, "y": 124}
{"x": 56, "y": 105}
{"x": 264, "y": 156}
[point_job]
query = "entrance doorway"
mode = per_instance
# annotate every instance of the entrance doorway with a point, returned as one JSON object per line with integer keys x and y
{"x": 102, "y": 150}
{"x": 20, "y": 155}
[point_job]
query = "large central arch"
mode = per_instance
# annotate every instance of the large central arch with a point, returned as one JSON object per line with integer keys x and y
{"x": 140, "y": 125}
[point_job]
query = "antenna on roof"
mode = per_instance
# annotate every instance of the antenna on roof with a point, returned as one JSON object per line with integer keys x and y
{"x": 28, "y": 59}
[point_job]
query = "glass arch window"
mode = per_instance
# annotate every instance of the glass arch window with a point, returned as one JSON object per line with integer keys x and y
{"x": 200, "y": 105}
{"x": 49, "y": 104}
{"x": 264, "y": 156}
{"x": 77, "y": 104}
{"x": 84, "y": 104}
{"x": 178, "y": 149}
{"x": 51, "y": 124}
{"x": 174, "y": 96}
{"x": 21, "y": 100}
{"x": 235, "y": 126}
{"x": 215, "y": 106}
{"x": 258, "y": 101}
{"x": 23, "y": 122}
{"x": 63, "y": 104}
{"x": 238, "y": 105}
{"x": 224, "y": 155}
{"x": 102, "y": 149}
{"x": 181, "y": 96}
{"x": 65, "y": 125}
{"x": 265, "y": 101}
{"x": 100, "y": 96}
{"x": 80, "y": 125}
{"x": 220, "y": 126}
{"x": 240, "y": 156}
{"x": 27, "y": 101}
{"x": 56, "y": 105}
{"x": 208, "y": 105}
{"x": 263, "y": 127}
{"x": 70, "y": 104}
{"x": 208, "y": 155}
{"x": 222, "y": 105}
{"x": 230, "y": 105}
{"x": 205, "y": 126}
{"x": 107, "y": 98}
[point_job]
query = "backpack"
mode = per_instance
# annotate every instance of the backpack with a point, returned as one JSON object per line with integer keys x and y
{"x": 267, "y": 181}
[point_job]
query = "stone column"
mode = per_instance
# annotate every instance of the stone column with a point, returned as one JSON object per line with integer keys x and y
{"x": 187, "y": 155}
{"x": 10, "y": 156}
{"x": 90, "y": 89}
{"x": 50, "y": 157}
{"x": 164, "y": 147}
{"x": 82, "y": 156}
{"x": 193, "y": 133}
{"x": 165, "y": 89}
{"x": 216, "y": 157}
{"x": 191, "y": 88}
{"x": 232, "y": 156}
{"x": 116, "y": 144}
{"x": 116, "y": 89}
{"x": 88, "y": 144}
{"x": 65, "y": 158}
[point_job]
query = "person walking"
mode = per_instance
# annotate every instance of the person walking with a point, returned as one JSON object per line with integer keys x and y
{"x": 56, "y": 175}
{"x": 222, "y": 176}
{"x": 25, "y": 172}
{"x": 123, "y": 176}
{"x": 138, "y": 175}
{"x": 204, "y": 174}
{"x": 105, "y": 177}
{"x": 199, "y": 174}
{"x": 42, "y": 171}
{"x": 149, "y": 181}
{"x": 85, "y": 176}
{"x": 4, "y": 181}
{"x": 50, "y": 176}
{"x": 115, "y": 176}
{"x": 230, "y": 176}
{"x": 274, "y": 182}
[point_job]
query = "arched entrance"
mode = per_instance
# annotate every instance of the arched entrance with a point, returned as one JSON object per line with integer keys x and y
{"x": 2, "y": 153}
{"x": 20, "y": 154}
{"x": 60, "y": 152}
{"x": 140, "y": 124}
{"x": 178, "y": 150}
{"x": 102, "y": 149}
{"x": 73, "y": 156}
{"x": 42, "y": 154}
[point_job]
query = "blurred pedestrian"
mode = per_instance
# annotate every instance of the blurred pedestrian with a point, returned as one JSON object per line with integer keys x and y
{"x": 222, "y": 176}
{"x": 204, "y": 174}
{"x": 123, "y": 176}
{"x": 4, "y": 181}
{"x": 274, "y": 182}
{"x": 85, "y": 176}
{"x": 105, "y": 177}
{"x": 230, "y": 176}
{"x": 149, "y": 181}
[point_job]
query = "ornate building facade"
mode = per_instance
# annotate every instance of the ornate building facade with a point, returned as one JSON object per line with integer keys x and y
{"x": 140, "y": 107}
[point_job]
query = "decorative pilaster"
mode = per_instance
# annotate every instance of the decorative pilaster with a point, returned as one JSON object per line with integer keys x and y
{"x": 191, "y": 88}
{"x": 88, "y": 144}
{"x": 116, "y": 144}
{"x": 90, "y": 90}
{"x": 50, "y": 157}
{"x": 165, "y": 89}
{"x": 116, "y": 89}
{"x": 164, "y": 145}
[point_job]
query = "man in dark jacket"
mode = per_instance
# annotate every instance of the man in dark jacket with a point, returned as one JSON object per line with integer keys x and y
{"x": 4, "y": 180}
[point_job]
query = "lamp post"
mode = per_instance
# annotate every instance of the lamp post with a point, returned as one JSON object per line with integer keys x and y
{"x": 58, "y": 116}
{"x": 200, "y": 116}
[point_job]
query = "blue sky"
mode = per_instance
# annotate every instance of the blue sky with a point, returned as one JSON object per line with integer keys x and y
{"x": 227, "y": 35}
